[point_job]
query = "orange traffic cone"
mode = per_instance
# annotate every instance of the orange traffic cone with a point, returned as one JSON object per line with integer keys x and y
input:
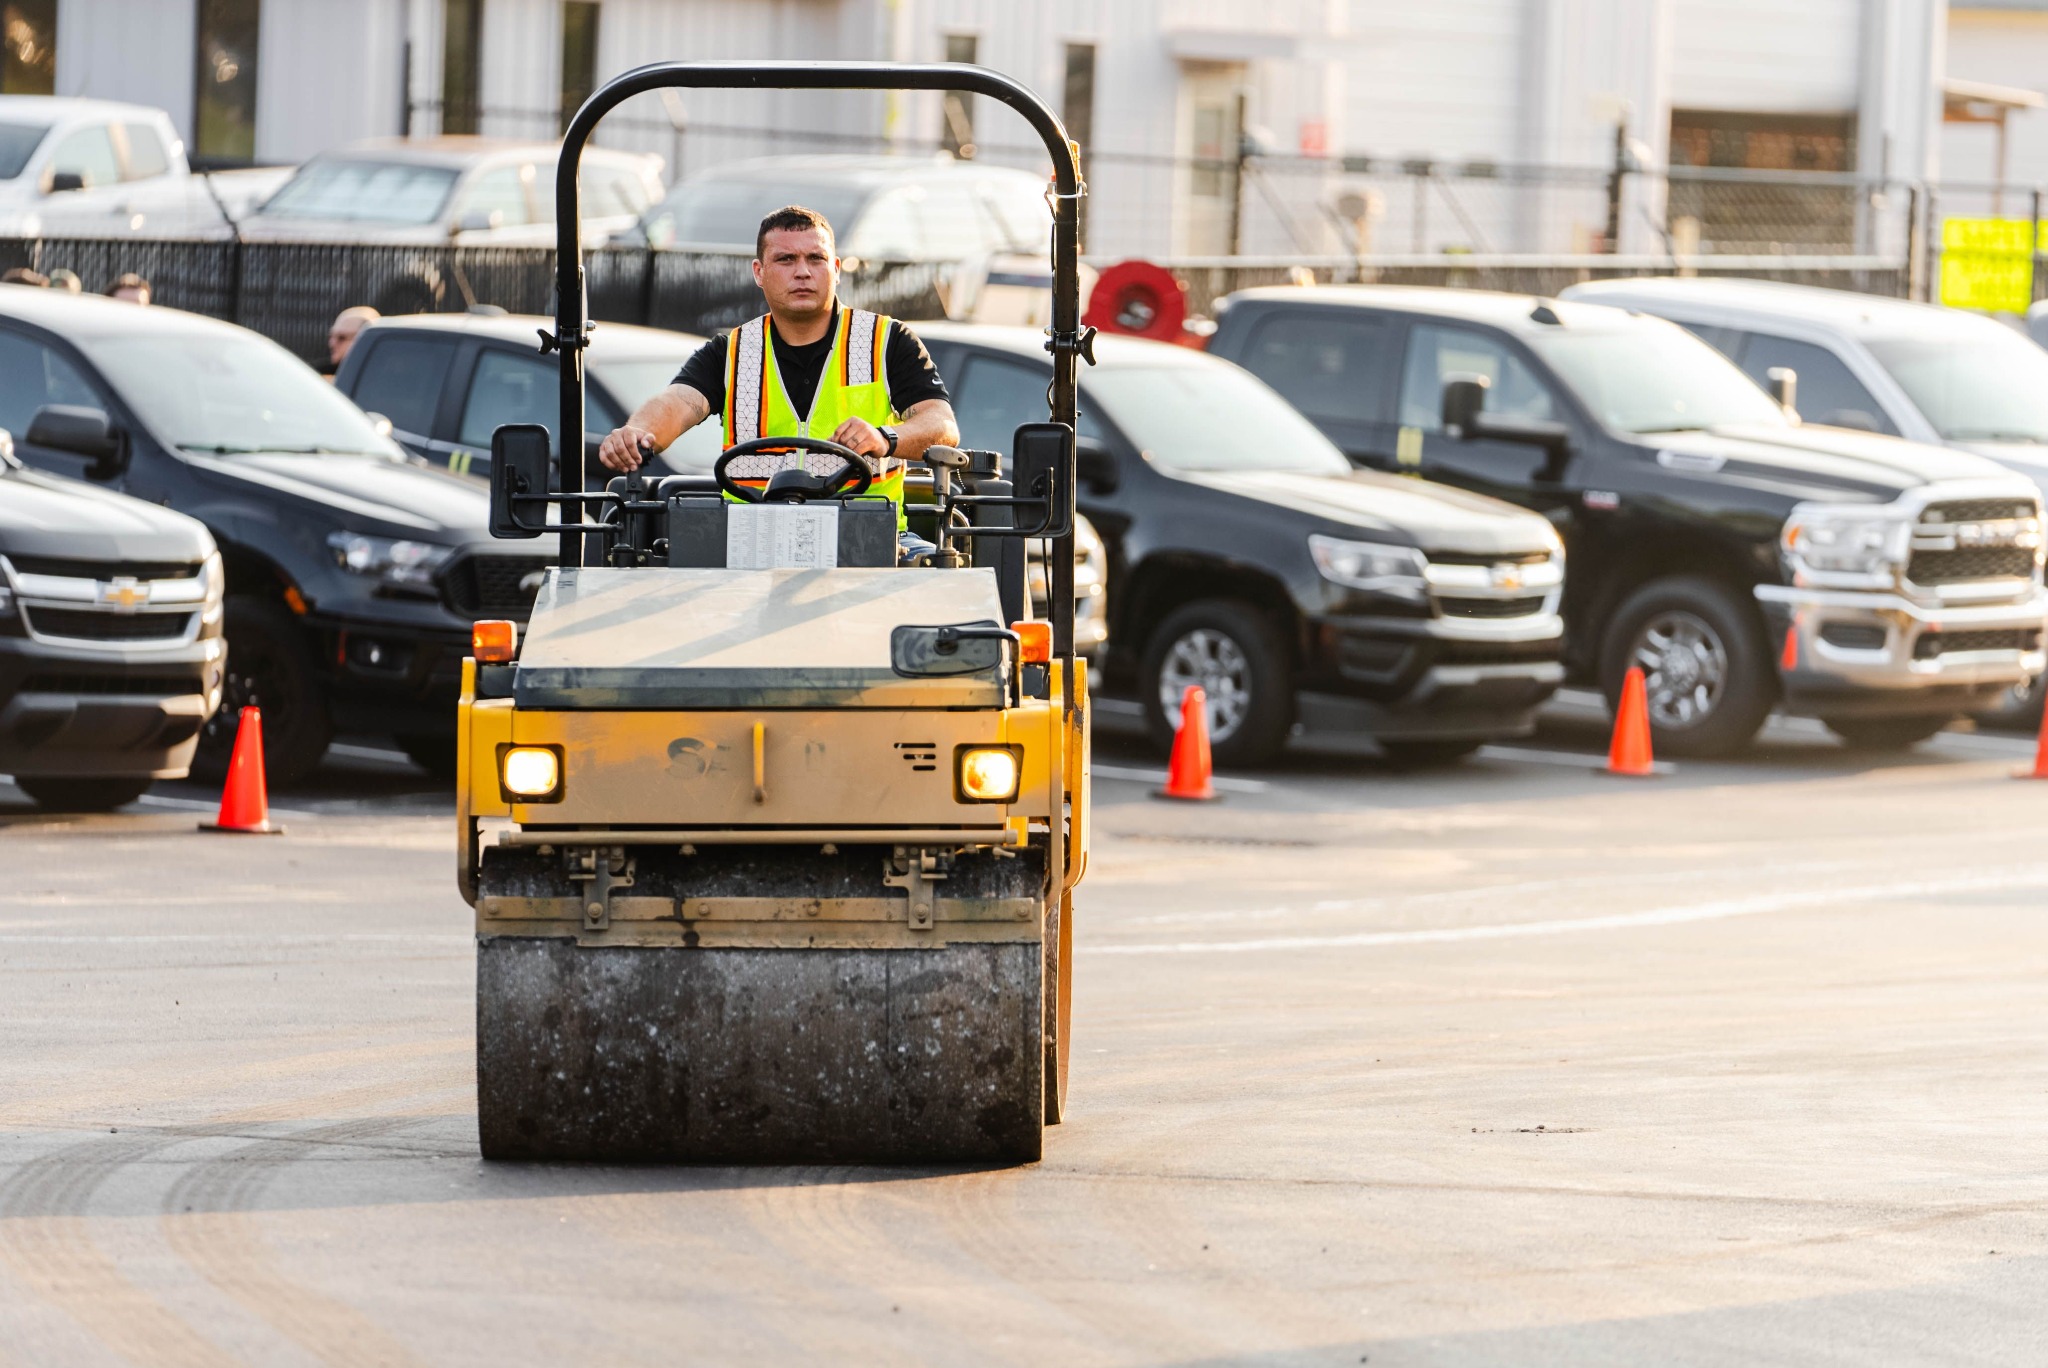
{"x": 2040, "y": 769}
{"x": 1629, "y": 753}
{"x": 1187, "y": 772}
{"x": 244, "y": 803}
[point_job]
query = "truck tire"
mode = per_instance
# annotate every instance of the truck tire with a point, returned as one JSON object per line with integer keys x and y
{"x": 83, "y": 795}
{"x": 1241, "y": 661}
{"x": 270, "y": 666}
{"x": 1886, "y": 733}
{"x": 1711, "y": 679}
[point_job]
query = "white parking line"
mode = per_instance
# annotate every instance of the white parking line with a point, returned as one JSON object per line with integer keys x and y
{"x": 2021, "y": 876}
{"x": 1572, "y": 759}
{"x": 1157, "y": 777}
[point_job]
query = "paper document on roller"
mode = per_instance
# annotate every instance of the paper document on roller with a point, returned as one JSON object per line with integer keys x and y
{"x": 781, "y": 537}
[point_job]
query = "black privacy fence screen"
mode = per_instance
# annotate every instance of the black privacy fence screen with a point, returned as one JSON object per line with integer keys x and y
{"x": 291, "y": 291}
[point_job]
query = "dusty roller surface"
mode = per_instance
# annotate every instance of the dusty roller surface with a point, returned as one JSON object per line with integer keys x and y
{"x": 1514, "y": 1064}
{"x": 637, "y": 1053}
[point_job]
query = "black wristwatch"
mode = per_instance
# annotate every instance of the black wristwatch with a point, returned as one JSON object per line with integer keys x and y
{"x": 889, "y": 433}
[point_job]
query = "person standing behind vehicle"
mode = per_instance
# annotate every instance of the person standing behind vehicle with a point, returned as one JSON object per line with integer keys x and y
{"x": 342, "y": 334}
{"x": 806, "y": 368}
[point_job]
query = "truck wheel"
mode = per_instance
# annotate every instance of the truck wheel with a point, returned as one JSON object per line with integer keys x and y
{"x": 1241, "y": 662}
{"x": 1886, "y": 733}
{"x": 1711, "y": 681}
{"x": 1427, "y": 754}
{"x": 83, "y": 795}
{"x": 269, "y": 666}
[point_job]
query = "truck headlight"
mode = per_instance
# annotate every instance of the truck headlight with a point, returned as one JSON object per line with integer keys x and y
{"x": 1849, "y": 541}
{"x": 213, "y": 582}
{"x": 394, "y": 562}
{"x": 988, "y": 774}
{"x": 530, "y": 774}
{"x": 1372, "y": 566}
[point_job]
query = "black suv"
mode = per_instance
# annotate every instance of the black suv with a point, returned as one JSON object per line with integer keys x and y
{"x": 446, "y": 382}
{"x": 354, "y": 571}
{"x": 1741, "y": 558}
{"x": 1247, "y": 557}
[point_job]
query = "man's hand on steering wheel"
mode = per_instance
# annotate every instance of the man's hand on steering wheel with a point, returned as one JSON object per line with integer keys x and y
{"x": 858, "y": 434}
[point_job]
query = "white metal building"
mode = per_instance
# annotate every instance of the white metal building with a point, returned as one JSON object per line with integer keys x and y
{"x": 1413, "y": 121}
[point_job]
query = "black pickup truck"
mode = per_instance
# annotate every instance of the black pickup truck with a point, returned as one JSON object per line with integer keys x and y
{"x": 354, "y": 571}
{"x": 1247, "y": 557}
{"x": 1742, "y": 559}
{"x": 110, "y": 641}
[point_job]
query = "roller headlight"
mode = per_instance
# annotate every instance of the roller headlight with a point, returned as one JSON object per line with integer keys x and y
{"x": 1395, "y": 571}
{"x": 988, "y": 774}
{"x": 530, "y": 774}
{"x": 1845, "y": 545}
{"x": 394, "y": 562}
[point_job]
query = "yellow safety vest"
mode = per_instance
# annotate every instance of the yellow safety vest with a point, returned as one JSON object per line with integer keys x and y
{"x": 852, "y": 385}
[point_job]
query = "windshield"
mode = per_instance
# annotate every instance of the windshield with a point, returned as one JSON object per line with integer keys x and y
{"x": 18, "y": 142}
{"x": 232, "y": 394}
{"x": 1655, "y": 378}
{"x": 728, "y": 213}
{"x": 1989, "y": 386}
{"x": 1214, "y": 417}
{"x": 364, "y": 192}
{"x": 632, "y": 379}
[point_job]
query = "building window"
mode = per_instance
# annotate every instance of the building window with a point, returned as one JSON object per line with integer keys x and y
{"x": 28, "y": 47}
{"x": 462, "y": 51}
{"x": 579, "y": 55}
{"x": 224, "y": 113}
{"x": 1077, "y": 107}
{"x": 956, "y": 134}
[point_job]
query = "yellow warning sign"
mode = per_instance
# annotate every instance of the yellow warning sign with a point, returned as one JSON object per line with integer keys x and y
{"x": 1988, "y": 263}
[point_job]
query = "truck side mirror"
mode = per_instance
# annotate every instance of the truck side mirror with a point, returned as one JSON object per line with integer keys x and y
{"x": 61, "y": 181}
{"x": 1042, "y": 468}
{"x": 1783, "y": 383}
{"x": 1464, "y": 399}
{"x": 1095, "y": 464}
{"x": 520, "y": 456}
{"x": 80, "y": 432}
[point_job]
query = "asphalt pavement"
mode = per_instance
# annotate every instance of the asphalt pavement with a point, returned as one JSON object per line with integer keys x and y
{"x": 1508, "y": 1063}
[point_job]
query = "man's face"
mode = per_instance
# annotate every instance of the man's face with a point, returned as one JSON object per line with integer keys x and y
{"x": 797, "y": 271}
{"x": 134, "y": 294}
{"x": 341, "y": 337}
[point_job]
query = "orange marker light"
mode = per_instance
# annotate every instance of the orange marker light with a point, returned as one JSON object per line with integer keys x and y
{"x": 1034, "y": 641}
{"x": 494, "y": 642}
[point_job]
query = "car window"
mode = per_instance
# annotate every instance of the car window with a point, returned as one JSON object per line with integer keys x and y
{"x": 1017, "y": 204}
{"x": 363, "y": 191}
{"x": 18, "y": 142}
{"x": 1727, "y": 341}
{"x": 146, "y": 155}
{"x": 955, "y": 225}
{"x": 1827, "y": 392}
{"x": 890, "y": 228}
{"x": 993, "y": 395}
{"x": 507, "y": 388}
{"x": 1328, "y": 367}
{"x": 402, "y": 378}
{"x": 89, "y": 152}
{"x": 501, "y": 193}
{"x": 32, "y": 375}
{"x": 1437, "y": 353}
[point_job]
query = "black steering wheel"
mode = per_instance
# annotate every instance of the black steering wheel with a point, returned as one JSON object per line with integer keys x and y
{"x": 850, "y": 483}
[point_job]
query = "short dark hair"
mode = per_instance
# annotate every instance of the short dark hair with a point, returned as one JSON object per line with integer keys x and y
{"x": 791, "y": 218}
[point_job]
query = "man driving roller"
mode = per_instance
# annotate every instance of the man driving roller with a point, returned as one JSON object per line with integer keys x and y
{"x": 808, "y": 368}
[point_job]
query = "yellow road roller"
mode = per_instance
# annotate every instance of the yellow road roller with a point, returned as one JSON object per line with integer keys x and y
{"x": 772, "y": 844}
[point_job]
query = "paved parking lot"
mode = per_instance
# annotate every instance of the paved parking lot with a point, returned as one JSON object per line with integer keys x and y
{"x": 1513, "y": 1063}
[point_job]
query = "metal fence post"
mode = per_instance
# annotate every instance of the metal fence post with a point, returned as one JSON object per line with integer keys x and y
{"x": 1931, "y": 278}
{"x": 2034, "y": 246}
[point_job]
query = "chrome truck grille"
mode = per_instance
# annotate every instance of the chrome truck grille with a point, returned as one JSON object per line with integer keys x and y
{"x": 111, "y": 605}
{"x": 1962, "y": 540}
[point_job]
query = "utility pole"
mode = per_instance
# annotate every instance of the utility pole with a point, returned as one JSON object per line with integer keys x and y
{"x": 1614, "y": 185}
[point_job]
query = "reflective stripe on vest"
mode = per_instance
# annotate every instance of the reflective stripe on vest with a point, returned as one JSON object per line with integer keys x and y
{"x": 853, "y": 384}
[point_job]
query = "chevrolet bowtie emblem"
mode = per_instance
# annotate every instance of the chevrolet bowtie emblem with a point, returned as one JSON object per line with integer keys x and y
{"x": 1507, "y": 577}
{"x": 124, "y": 595}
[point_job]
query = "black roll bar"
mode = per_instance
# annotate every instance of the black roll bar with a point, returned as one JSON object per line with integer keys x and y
{"x": 1067, "y": 342}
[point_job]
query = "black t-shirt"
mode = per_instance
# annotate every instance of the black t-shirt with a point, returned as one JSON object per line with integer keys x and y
{"x": 905, "y": 363}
